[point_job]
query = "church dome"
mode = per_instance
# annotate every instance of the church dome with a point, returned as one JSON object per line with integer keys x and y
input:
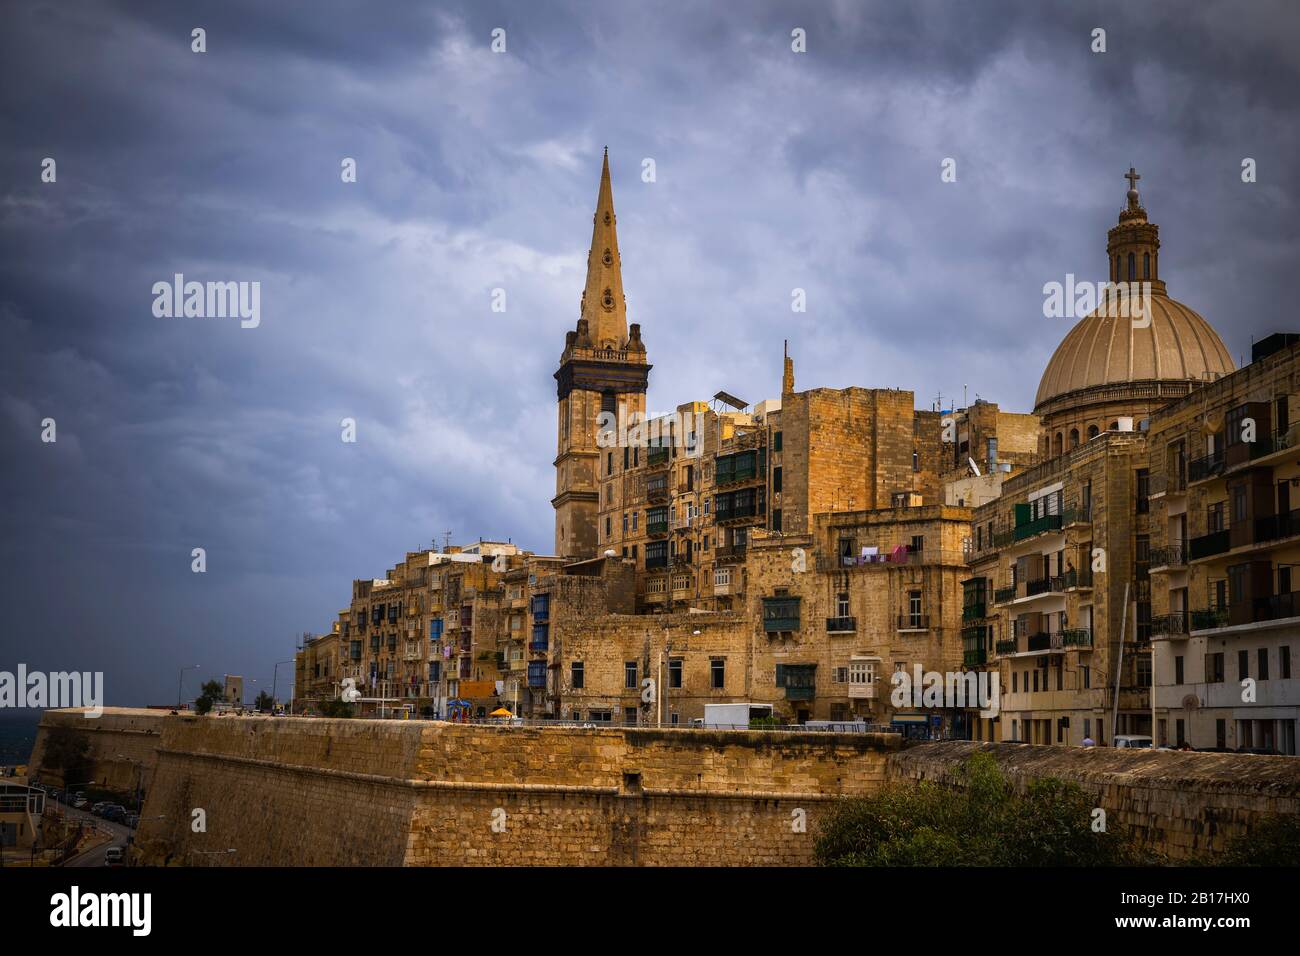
{"x": 1104, "y": 349}
{"x": 1119, "y": 352}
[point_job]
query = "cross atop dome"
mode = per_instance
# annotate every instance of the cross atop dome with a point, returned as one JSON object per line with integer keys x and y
{"x": 1132, "y": 177}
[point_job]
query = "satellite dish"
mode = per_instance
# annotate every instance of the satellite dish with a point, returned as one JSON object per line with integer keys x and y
{"x": 1191, "y": 702}
{"x": 974, "y": 467}
{"x": 609, "y": 553}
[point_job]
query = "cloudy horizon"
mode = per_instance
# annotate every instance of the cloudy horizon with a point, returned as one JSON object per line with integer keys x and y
{"x": 479, "y": 171}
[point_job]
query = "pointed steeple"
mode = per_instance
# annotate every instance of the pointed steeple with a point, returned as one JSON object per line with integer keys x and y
{"x": 603, "y": 306}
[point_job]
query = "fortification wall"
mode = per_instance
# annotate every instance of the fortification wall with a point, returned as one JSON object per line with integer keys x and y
{"x": 312, "y": 791}
{"x": 1183, "y": 804}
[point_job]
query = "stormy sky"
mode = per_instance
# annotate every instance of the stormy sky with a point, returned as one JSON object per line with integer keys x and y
{"x": 478, "y": 170}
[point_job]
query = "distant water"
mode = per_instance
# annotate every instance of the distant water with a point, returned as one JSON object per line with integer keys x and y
{"x": 17, "y": 734}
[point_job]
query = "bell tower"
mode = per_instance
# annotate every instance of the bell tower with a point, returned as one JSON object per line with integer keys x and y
{"x": 603, "y": 369}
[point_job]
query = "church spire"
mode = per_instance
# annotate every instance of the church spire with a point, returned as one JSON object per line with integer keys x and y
{"x": 603, "y": 307}
{"x": 1133, "y": 245}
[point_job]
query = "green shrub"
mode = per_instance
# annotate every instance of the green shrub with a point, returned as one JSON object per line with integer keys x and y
{"x": 982, "y": 822}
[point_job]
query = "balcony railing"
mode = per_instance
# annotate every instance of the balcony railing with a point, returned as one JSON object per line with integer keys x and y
{"x": 656, "y": 494}
{"x": 656, "y": 457}
{"x": 1008, "y": 646}
{"x": 729, "y": 553}
{"x": 1003, "y": 595}
{"x": 841, "y": 625}
{"x": 1037, "y": 526}
{"x": 1170, "y": 556}
{"x": 1076, "y": 637}
{"x": 974, "y": 612}
{"x": 656, "y": 528}
{"x": 1203, "y": 618}
{"x": 1038, "y": 586}
{"x": 1208, "y": 545}
{"x": 1174, "y": 624}
{"x": 1201, "y": 469}
{"x": 975, "y": 656}
{"x": 656, "y": 561}
{"x": 913, "y": 622}
{"x": 1076, "y": 578}
{"x": 1039, "y": 642}
{"x": 1274, "y": 607}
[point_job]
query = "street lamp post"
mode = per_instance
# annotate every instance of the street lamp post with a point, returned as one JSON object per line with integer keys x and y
{"x": 181, "y": 683}
{"x": 275, "y": 676}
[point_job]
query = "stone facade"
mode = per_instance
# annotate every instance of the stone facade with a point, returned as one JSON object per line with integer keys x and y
{"x": 317, "y": 792}
{"x": 1225, "y": 536}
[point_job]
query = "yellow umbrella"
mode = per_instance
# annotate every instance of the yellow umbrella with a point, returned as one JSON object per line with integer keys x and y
{"x": 500, "y": 712}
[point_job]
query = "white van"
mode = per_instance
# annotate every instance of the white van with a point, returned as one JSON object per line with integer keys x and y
{"x": 1132, "y": 740}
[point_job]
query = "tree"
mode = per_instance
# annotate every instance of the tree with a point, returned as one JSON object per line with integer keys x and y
{"x": 335, "y": 708}
{"x": 209, "y": 693}
{"x": 264, "y": 703}
{"x": 982, "y": 821}
{"x": 69, "y": 752}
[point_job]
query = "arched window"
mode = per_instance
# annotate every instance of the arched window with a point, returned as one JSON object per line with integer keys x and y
{"x": 1116, "y": 276}
{"x": 1092, "y": 432}
{"x": 1146, "y": 265}
{"x": 1132, "y": 267}
{"x": 1114, "y": 426}
{"x": 1059, "y": 443}
{"x": 1074, "y": 438}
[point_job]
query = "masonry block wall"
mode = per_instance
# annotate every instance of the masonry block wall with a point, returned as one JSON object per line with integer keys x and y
{"x": 1182, "y": 804}
{"x": 123, "y": 747}
{"x": 311, "y": 791}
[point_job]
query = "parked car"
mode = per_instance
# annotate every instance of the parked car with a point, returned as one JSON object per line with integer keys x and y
{"x": 97, "y": 808}
{"x": 114, "y": 812}
{"x": 80, "y": 803}
{"x": 1133, "y": 740}
{"x": 115, "y": 856}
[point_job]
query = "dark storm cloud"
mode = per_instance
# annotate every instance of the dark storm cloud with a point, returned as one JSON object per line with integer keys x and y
{"x": 478, "y": 171}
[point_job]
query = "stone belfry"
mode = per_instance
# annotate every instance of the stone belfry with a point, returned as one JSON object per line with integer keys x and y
{"x": 603, "y": 369}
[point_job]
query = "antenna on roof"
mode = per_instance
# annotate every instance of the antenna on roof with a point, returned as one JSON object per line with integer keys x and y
{"x": 446, "y": 540}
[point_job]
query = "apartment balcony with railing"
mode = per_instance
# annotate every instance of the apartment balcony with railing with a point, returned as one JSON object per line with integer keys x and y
{"x": 740, "y": 467}
{"x": 656, "y": 562}
{"x": 1076, "y": 637}
{"x": 1170, "y": 556}
{"x": 657, "y": 457}
{"x": 841, "y": 625}
{"x": 913, "y": 622}
{"x": 1208, "y": 545}
{"x": 1010, "y": 645}
{"x": 729, "y": 553}
{"x": 1206, "y": 467}
{"x": 1171, "y": 626}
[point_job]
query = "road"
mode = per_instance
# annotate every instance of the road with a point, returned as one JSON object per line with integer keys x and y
{"x": 95, "y": 856}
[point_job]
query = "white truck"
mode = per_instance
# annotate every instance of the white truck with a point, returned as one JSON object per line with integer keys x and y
{"x": 733, "y": 716}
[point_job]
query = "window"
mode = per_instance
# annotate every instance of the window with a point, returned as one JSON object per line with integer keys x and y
{"x": 609, "y": 463}
{"x": 1263, "y": 663}
{"x": 916, "y": 462}
{"x": 717, "y": 673}
{"x": 1243, "y": 664}
{"x": 690, "y": 477}
{"x": 1284, "y": 661}
{"x": 629, "y": 675}
{"x": 1085, "y": 675}
{"x": 1178, "y": 670}
{"x": 776, "y": 479}
{"x": 776, "y": 441}
{"x": 608, "y": 532}
{"x": 1143, "y": 491}
{"x": 918, "y": 542}
{"x": 1146, "y": 274}
{"x": 576, "y": 675}
{"x": 675, "y": 672}
{"x": 776, "y": 519}
{"x": 1214, "y": 668}
{"x": 842, "y": 604}
{"x": 627, "y": 451}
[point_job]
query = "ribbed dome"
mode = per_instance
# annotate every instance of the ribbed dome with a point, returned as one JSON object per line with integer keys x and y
{"x": 1102, "y": 349}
